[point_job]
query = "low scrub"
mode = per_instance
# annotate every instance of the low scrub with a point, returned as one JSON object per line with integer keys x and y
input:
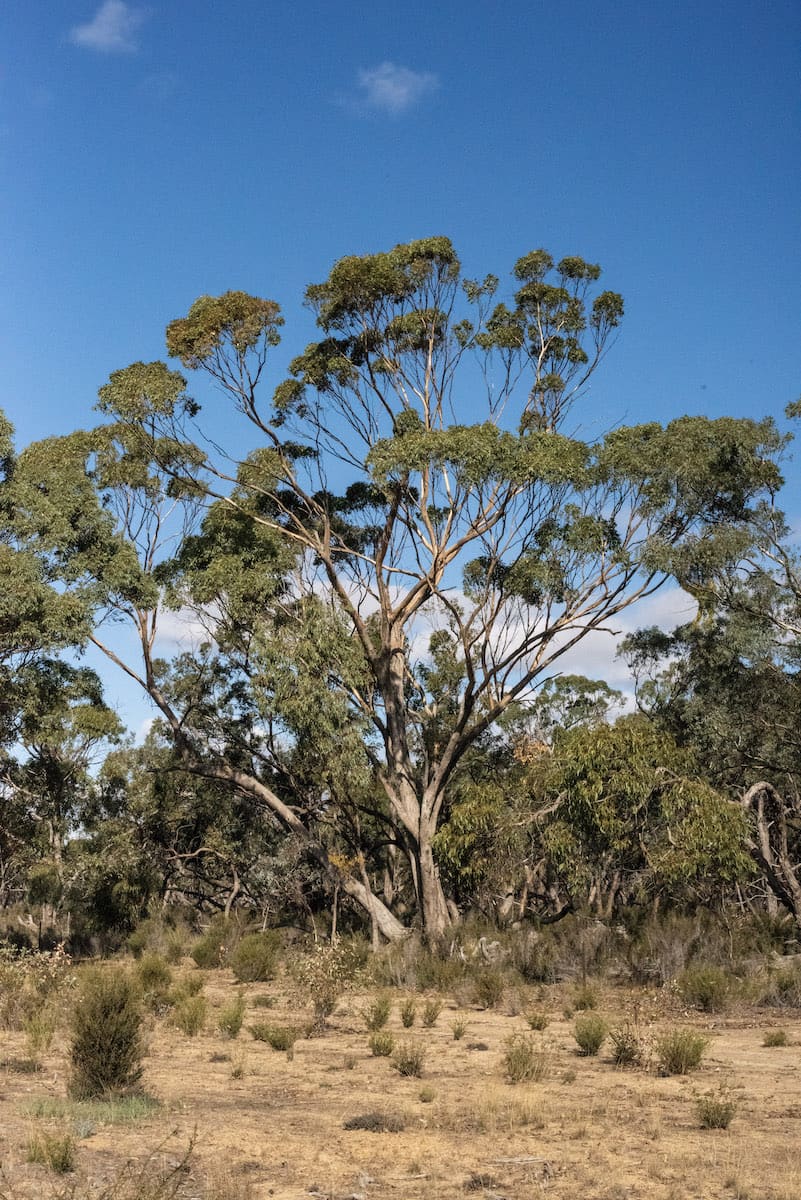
{"x": 231, "y": 1016}
{"x": 716, "y": 1109}
{"x": 278, "y": 1037}
{"x": 706, "y": 988}
{"x": 376, "y": 1121}
{"x": 54, "y": 1151}
{"x": 590, "y": 1032}
{"x": 679, "y": 1051}
{"x": 382, "y": 1043}
{"x": 377, "y": 1012}
{"x": 189, "y": 1015}
{"x": 255, "y": 958}
{"x": 106, "y": 1041}
{"x": 524, "y": 1060}
{"x": 409, "y": 1059}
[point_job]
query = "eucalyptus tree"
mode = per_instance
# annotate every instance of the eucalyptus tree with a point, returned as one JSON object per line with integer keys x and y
{"x": 422, "y": 466}
{"x": 422, "y": 459}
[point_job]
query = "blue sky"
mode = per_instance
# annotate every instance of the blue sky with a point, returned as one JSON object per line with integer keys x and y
{"x": 153, "y": 152}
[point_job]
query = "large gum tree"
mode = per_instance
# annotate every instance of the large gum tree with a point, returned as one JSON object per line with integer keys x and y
{"x": 423, "y": 467}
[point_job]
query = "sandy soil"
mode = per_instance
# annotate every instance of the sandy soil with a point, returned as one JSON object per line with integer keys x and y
{"x": 587, "y": 1130}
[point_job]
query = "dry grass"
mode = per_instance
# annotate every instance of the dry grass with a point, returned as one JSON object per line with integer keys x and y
{"x": 278, "y": 1130}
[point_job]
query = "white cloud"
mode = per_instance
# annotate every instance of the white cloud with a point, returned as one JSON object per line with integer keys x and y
{"x": 393, "y": 89}
{"x": 112, "y": 30}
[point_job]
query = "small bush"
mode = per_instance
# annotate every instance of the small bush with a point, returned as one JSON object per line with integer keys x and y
{"x": 584, "y": 998}
{"x": 376, "y": 1122}
{"x": 776, "y": 1037}
{"x": 326, "y": 974}
{"x": 409, "y": 1059}
{"x": 231, "y": 1017}
{"x": 254, "y": 960}
{"x": 153, "y": 972}
{"x": 377, "y": 1012}
{"x": 212, "y": 949}
{"x": 489, "y": 986}
{"x": 106, "y": 1046}
{"x": 524, "y": 1059}
{"x": 57, "y": 1152}
{"x": 680, "y": 1051}
{"x": 431, "y": 1010}
{"x": 278, "y": 1037}
{"x": 459, "y": 1029}
{"x": 537, "y": 1021}
{"x": 626, "y": 1045}
{"x": 716, "y": 1109}
{"x": 382, "y": 1043}
{"x": 426, "y": 1095}
{"x": 189, "y": 1015}
{"x": 408, "y": 1012}
{"x": 590, "y": 1032}
{"x": 707, "y": 988}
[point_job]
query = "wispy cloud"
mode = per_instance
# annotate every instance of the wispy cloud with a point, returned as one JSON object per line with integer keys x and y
{"x": 393, "y": 89}
{"x": 112, "y": 29}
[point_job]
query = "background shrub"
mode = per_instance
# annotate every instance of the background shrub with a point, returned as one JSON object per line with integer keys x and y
{"x": 409, "y": 1059}
{"x": 382, "y": 1043}
{"x": 231, "y": 1017}
{"x": 488, "y": 987}
{"x": 704, "y": 987}
{"x": 377, "y": 1012}
{"x": 254, "y": 959}
{"x": 106, "y": 1045}
{"x": 189, "y": 1015}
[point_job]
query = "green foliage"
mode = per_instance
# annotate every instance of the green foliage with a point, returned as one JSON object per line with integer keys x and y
{"x": 431, "y": 1011}
{"x": 590, "y": 1032}
{"x": 155, "y": 979}
{"x": 326, "y": 974}
{"x": 585, "y": 997}
{"x": 705, "y": 987}
{"x": 54, "y": 1151}
{"x": 382, "y": 1043}
{"x": 231, "y": 1016}
{"x": 524, "y": 1059}
{"x": 680, "y": 1051}
{"x": 409, "y": 1059}
{"x": 716, "y": 1109}
{"x": 775, "y": 1037}
{"x": 489, "y": 986}
{"x": 278, "y": 1037}
{"x": 106, "y": 1045}
{"x": 459, "y": 1029}
{"x": 377, "y": 1012}
{"x": 408, "y": 1012}
{"x": 254, "y": 959}
{"x": 537, "y": 1020}
{"x": 189, "y": 1015}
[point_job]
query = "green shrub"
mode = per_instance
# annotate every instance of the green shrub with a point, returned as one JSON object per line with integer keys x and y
{"x": 590, "y": 1032}
{"x": 584, "y": 998}
{"x": 106, "y": 1046}
{"x": 39, "y": 1028}
{"x": 382, "y": 1043}
{"x": 626, "y": 1045}
{"x": 254, "y": 959}
{"x": 408, "y": 1012}
{"x": 409, "y": 1059}
{"x": 426, "y": 1095}
{"x": 537, "y": 1021}
{"x": 776, "y": 1037}
{"x": 231, "y": 1017}
{"x": 680, "y": 1051}
{"x": 264, "y": 1001}
{"x": 326, "y": 974}
{"x": 55, "y": 1151}
{"x": 189, "y": 1015}
{"x": 459, "y": 1029}
{"x": 155, "y": 978}
{"x": 524, "y": 1059}
{"x": 431, "y": 1010}
{"x": 278, "y": 1037}
{"x": 707, "y": 988}
{"x": 377, "y": 1012}
{"x": 716, "y": 1109}
{"x": 488, "y": 987}
{"x": 214, "y": 946}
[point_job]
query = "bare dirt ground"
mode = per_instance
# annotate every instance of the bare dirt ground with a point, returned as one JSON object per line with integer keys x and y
{"x": 589, "y": 1130}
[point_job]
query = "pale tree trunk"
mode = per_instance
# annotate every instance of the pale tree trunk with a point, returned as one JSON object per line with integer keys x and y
{"x": 770, "y": 849}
